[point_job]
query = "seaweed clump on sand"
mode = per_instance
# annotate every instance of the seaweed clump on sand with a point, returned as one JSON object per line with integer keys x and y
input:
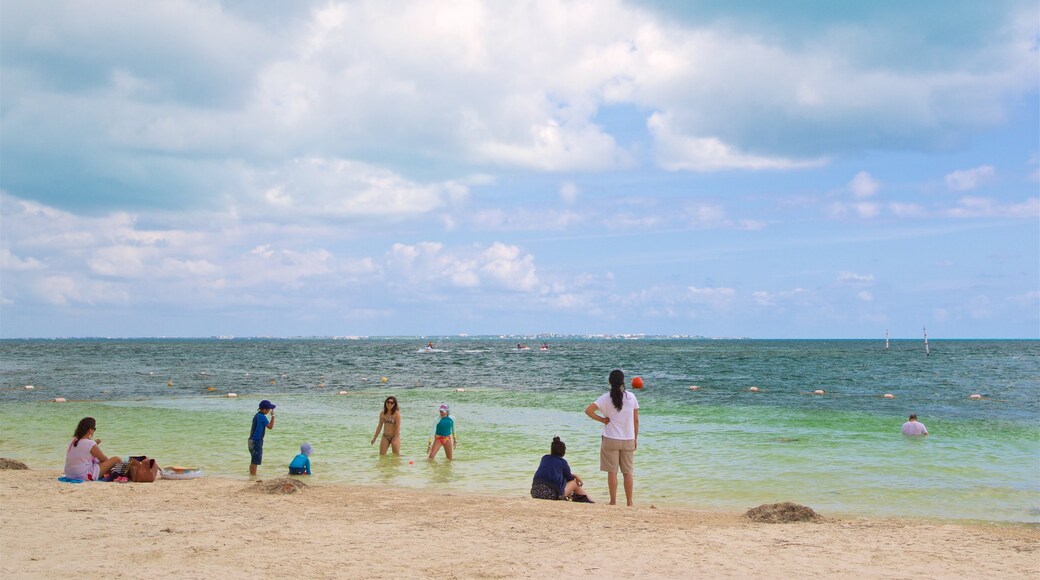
{"x": 779, "y": 513}
{"x": 280, "y": 486}
{"x": 6, "y": 463}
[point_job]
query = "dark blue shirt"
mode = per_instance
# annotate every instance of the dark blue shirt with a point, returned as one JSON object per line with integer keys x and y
{"x": 259, "y": 426}
{"x": 554, "y": 471}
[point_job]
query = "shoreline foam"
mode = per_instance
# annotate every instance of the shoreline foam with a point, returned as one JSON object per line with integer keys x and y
{"x": 211, "y": 526}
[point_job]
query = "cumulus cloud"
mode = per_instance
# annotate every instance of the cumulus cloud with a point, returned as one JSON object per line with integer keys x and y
{"x": 716, "y": 298}
{"x": 976, "y": 207}
{"x": 569, "y": 192}
{"x": 500, "y": 266}
{"x": 855, "y": 279}
{"x": 9, "y": 261}
{"x": 325, "y": 188}
{"x": 863, "y": 185}
{"x": 677, "y": 152}
{"x": 968, "y": 179}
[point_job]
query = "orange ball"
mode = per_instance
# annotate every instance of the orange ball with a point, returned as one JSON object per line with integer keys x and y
{"x": 637, "y": 383}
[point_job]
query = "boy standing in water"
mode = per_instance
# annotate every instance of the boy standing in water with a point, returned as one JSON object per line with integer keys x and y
{"x": 256, "y": 433}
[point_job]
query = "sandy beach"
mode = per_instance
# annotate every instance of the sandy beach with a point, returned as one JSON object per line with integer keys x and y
{"x": 213, "y": 527}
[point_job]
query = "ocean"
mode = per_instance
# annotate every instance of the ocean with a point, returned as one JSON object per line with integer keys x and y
{"x": 720, "y": 447}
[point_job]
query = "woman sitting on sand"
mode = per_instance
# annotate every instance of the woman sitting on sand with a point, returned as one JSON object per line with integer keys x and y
{"x": 84, "y": 459}
{"x": 554, "y": 479}
{"x": 390, "y": 425}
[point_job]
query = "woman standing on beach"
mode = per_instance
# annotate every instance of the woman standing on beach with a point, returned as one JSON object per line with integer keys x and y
{"x": 390, "y": 425}
{"x": 620, "y": 433}
{"x": 84, "y": 459}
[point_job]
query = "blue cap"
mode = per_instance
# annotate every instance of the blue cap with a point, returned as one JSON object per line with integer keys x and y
{"x": 265, "y": 404}
{"x": 306, "y": 449}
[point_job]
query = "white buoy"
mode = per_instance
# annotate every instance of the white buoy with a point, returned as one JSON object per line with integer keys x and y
{"x": 889, "y": 396}
{"x": 59, "y": 399}
{"x": 694, "y": 388}
{"x": 460, "y": 390}
{"x": 342, "y": 393}
{"x": 29, "y": 387}
{"x": 753, "y": 389}
{"x": 975, "y": 397}
{"x": 819, "y": 392}
{"x": 232, "y": 395}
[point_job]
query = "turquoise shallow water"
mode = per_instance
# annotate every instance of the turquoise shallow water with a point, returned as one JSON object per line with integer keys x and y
{"x": 721, "y": 447}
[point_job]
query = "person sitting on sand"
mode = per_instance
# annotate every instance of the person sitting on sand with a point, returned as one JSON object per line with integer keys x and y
{"x": 554, "y": 480}
{"x": 443, "y": 434}
{"x": 301, "y": 464}
{"x": 914, "y": 428}
{"x": 84, "y": 459}
{"x": 390, "y": 424}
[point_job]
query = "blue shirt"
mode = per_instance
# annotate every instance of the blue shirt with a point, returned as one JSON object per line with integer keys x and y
{"x": 554, "y": 471}
{"x": 301, "y": 461}
{"x": 260, "y": 422}
{"x": 445, "y": 427}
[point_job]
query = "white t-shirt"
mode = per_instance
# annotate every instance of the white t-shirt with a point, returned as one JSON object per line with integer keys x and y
{"x": 621, "y": 425}
{"x": 79, "y": 462}
{"x": 914, "y": 428}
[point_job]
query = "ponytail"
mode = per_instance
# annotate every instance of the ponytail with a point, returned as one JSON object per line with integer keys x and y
{"x": 85, "y": 425}
{"x": 617, "y": 388}
{"x": 558, "y": 448}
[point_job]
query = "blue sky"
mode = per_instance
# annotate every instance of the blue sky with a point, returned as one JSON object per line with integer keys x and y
{"x": 801, "y": 169}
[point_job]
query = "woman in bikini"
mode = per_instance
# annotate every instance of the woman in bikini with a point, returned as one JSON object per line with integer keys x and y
{"x": 390, "y": 425}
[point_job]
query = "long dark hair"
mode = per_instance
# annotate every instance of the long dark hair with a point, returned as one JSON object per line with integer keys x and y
{"x": 558, "y": 448}
{"x": 617, "y": 388}
{"x": 386, "y": 406}
{"x": 85, "y": 425}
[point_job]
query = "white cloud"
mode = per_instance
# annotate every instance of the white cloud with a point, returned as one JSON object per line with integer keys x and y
{"x": 511, "y": 269}
{"x": 865, "y": 296}
{"x": 677, "y": 152}
{"x": 569, "y": 192}
{"x": 977, "y": 207}
{"x": 432, "y": 264}
{"x": 968, "y": 179}
{"x": 340, "y": 188}
{"x": 863, "y": 185}
{"x": 907, "y": 210}
{"x": 855, "y": 279}
{"x": 66, "y": 290}
{"x": 716, "y": 298}
{"x": 9, "y": 261}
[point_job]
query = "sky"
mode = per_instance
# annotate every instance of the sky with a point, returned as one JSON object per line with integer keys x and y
{"x": 800, "y": 169}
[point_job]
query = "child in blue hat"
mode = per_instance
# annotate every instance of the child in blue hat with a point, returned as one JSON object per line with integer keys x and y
{"x": 261, "y": 423}
{"x": 301, "y": 464}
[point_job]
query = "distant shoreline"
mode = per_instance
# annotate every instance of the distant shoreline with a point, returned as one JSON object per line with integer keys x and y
{"x": 648, "y": 337}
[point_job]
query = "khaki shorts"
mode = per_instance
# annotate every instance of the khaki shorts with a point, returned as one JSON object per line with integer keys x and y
{"x": 615, "y": 454}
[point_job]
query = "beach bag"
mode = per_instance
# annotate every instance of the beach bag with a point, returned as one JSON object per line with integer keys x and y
{"x": 142, "y": 469}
